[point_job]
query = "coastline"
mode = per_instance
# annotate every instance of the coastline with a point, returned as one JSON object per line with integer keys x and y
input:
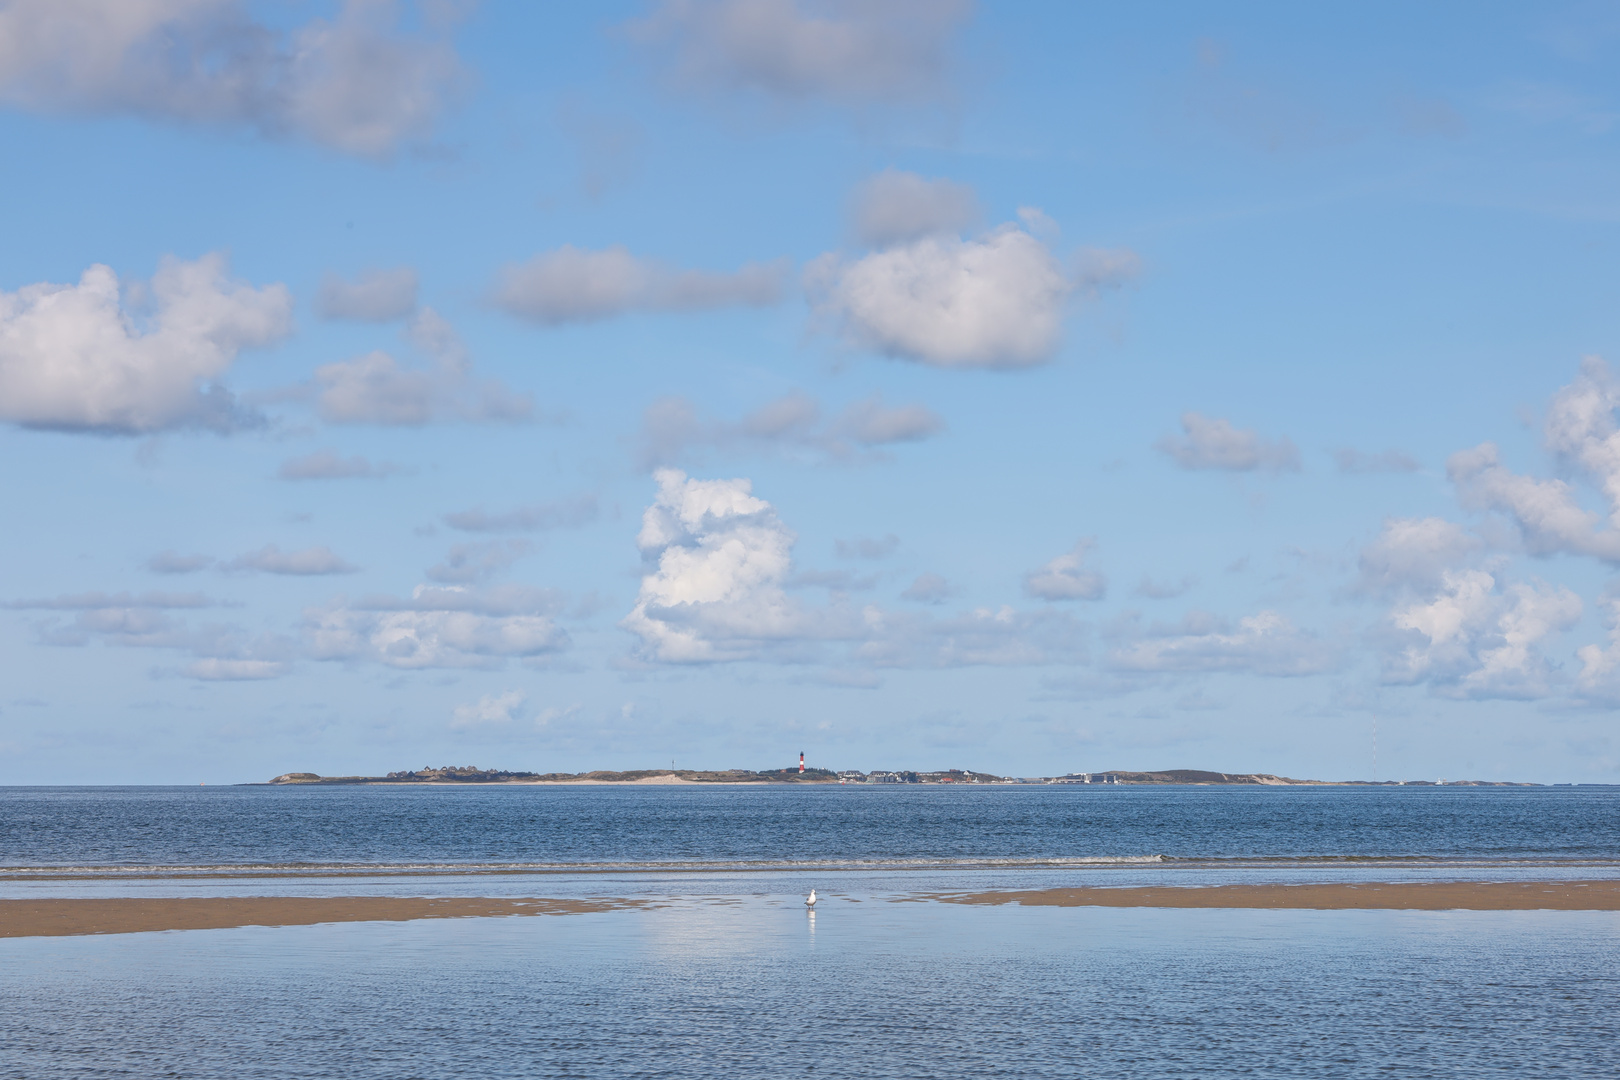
{"x": 62, "y": 917}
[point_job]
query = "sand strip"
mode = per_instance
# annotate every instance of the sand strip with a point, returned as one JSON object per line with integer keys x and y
{"x": 128, "y": 915}
{"x": 1406, "y": 896}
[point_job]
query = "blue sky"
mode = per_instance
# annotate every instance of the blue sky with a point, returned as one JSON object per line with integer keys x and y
{"x": 1027, "y": 388}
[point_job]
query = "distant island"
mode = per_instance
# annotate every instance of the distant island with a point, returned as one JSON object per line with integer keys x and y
{"x": 472, "y": 774}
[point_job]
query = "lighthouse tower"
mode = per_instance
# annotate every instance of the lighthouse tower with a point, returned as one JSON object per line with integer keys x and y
{"x": 801, "y": 761}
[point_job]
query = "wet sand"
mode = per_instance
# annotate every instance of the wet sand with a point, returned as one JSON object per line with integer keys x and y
{"x": 1403, "y": 896}
{"x": 124, "y": 915}
{"x": 128, "y": 915}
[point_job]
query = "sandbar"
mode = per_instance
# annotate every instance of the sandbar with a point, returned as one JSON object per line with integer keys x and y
{"x": 1339, "y": 896}
{"x": 59, "y": 917}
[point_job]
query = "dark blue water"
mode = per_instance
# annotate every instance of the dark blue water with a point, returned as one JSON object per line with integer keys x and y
{"x": 794, "y": 826}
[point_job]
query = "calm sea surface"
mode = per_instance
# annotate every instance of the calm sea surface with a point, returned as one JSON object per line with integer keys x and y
{"x": 784, "y": 827}
{"x": 725, "y": 975}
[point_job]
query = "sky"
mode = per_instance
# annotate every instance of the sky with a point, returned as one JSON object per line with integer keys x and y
{"x": 1019, "y": 387}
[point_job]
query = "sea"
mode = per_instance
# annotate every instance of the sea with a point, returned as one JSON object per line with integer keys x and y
{"x": 721, "y": 972}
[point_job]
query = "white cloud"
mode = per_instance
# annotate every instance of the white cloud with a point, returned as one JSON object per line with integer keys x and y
{"x": 355, "y": 84}
{"x": 1213, "y": 443}
{"x": 1599, "y": 680}
{"x": 73, "y": 357}
{"x": 573, "y": 285}
{"x": 465, "y": 563}
{"x": 439, "y": 627}
{"x": 1413, "y": 553}
{"x": 871, "y": 52}
{"x": 1580, "y": 428}
{"x": 1065, "y": 578}
{"x": 793, "y": 423}
{"x": 375, "y": 389}
{"x": 327, "y": 465}
{"x": 898, "y": 207}
{"x": 1266, "y": 643}
{"x": 1474, "y": 639}
{"x": 491, "y": 709}
{"x": 720, "y": 559}
{"x": 1548, "y": 517}
{"x": 533, "y": 517}
{"x": 996, "y": 301}
{"x": 374, "y": 296}
{"x": 312, "y": 561}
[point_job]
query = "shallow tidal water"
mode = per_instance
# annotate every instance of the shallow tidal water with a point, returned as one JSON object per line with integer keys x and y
{"x": 871, "y": 989}
{"x": 723, "y": 973}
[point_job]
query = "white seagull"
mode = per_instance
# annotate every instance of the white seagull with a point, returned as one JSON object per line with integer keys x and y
{"x": 810, "y": 901}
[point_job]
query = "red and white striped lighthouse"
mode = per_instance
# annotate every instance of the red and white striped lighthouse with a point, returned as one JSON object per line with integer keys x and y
{"x": 801, "y": 761}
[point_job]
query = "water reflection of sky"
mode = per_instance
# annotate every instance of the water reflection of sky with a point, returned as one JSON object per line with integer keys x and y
{"x": 752, "y": 986}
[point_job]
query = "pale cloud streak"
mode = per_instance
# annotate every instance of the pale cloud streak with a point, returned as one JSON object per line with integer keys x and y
{"x": 1066, "y": 578}
{"x": 439, "y": 627}
{"x": 356, "y": 84}
{"x": 532, "y": 517}
{"x": 793, "y": 424}
{"x": 376, "y": 389}
{"x": 373, "y": 296}
{"x": 1212, "y": 443}
{"x": 876, "y": 52}
{"x": 570, "y": 285}
{"x": 74, "y": 357}
{"x": 309, "y": 562}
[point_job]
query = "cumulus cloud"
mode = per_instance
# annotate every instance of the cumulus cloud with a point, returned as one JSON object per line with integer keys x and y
{"x": 874, "y": 52}
{"x": 439, "y": 627}
{"x": 376, "y": 389}
{"x": 1213, "y": 443}
{"x": 1477, "y": 638}
{"x": 720, "y": 558}
{"x": 374, "y": 296}
{"x": 1266, "y": 643}
{"x": 720, "y": 561}
{"x": 1065, "y": 577}
{"x": 533, "y": 517}
{"x": 327, "y": 465}
{"x": 490, "y": 709}
{"x": 310, "y": 562}
{"x": 1599, "y": 679}
{"x": 794, "y": 424}
{"x": 1549, "y": 518}
{"x": 1413, "y": 553}
{"x": 466, "y": 563}
{"x": 356, "y": 84}
{"x": 994, "y": 301}
{"x": 574, "y": 285}
{"x": 898, "y": 207}
{"x": 1580, "y": 429}
{"x": 74, "y": 357}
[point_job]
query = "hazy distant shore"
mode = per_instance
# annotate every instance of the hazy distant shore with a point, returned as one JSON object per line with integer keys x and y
{"x": 463, "y": 775}
{"x": 58, "y": 917}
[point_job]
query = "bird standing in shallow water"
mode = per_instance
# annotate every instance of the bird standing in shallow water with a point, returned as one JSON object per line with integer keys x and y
{"x": 810, "y": 901}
